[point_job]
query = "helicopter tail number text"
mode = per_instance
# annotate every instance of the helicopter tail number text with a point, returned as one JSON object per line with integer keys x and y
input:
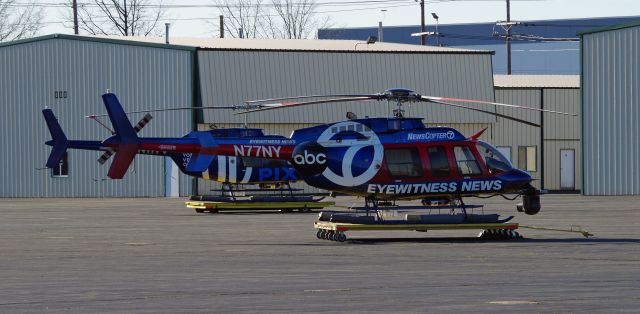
{"x": 264, "y": 151}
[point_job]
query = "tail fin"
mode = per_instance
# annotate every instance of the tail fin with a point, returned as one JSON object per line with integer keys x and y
{"x": 181, "y": 160}
{"x": 59, "y": 140}
{"x": 126, "y": 137}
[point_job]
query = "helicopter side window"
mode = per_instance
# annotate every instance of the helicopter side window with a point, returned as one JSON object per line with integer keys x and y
{"x": 403, "y": 162}
{"x": 466, "y": 161}
{"x": 439, "y": 163}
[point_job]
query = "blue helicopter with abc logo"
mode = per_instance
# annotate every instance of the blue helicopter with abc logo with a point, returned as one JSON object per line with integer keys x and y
{"x": 396, "y": 158}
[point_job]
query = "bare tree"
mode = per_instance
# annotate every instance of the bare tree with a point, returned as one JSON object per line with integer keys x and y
{"x": 121, "y": 17}
{"x": 19, "y": 20}
{"x": 271, "y": 18}
{"x": 246, "y": 16}
{"x": 297, "y": 18}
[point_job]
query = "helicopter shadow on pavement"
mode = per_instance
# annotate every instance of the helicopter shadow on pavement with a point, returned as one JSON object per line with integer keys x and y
{"x": 478, "y": 240}
{"x": 251, "y": 213}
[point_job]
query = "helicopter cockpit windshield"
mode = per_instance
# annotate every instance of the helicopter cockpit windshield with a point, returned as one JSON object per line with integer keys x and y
{"x": 495, "y": 161}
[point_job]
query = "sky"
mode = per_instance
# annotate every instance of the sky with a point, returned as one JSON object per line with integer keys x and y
{"x": 200, "y": 21}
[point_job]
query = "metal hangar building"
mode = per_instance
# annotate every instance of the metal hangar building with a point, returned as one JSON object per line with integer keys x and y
{"x": 610, "y": 59}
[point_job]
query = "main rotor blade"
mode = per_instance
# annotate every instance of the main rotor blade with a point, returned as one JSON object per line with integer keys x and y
{"x": 311, "y": 96}
{"x": 430, "y": 98}
{"x": 166, "y": 109}
{"x": 304, "y": 103}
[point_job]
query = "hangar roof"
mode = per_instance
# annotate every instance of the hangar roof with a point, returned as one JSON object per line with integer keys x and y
{"x": 531, "y": 81}
{"x": 309, "y": 45}
{"x": 297, "y": 45}
{"x": 94, "y": 39}
{"x": 609, "y": 28}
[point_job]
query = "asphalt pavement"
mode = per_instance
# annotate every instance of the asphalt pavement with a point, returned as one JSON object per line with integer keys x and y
{"x": 156, "y": 256}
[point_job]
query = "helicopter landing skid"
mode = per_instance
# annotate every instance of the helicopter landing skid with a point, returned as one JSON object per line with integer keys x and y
{"x": 335, "y": 231}
{"x": 456, "y": 215}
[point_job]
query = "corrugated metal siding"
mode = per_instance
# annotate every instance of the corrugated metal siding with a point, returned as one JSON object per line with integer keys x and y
{"x": 562, "y": 126}
{"x": 611, "y": 70}
{"x": 142, "y": 77}
{"x": 515, "y": 134}
{"x": 231, "y": 77}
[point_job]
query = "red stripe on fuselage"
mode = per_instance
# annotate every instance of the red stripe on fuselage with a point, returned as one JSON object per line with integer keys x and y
{"x": 179, "y": 148}
{"x": 282, "y": 152}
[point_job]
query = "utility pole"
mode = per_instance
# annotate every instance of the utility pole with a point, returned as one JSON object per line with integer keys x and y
{"x": 423, "y": 39}
{"x": 126, "y": 19}
{"x": 75, "y": 17}
{"x": 166, "y": 33}
{"x": 221, "y": 26}
{"x": 508, "y": 37}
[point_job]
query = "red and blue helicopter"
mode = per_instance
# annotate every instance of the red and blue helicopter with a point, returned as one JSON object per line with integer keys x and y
{"x": 383, "y": 158}
{"x": 224, "y": 169}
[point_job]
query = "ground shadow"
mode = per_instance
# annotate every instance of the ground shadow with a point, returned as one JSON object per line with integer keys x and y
{"x": 448, "y": 240}
{"x": 248, "y": 213}
{"x": 592, "y": 240}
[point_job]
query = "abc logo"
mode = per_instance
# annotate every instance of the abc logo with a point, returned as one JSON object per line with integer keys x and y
{"x": 309, "y": 158}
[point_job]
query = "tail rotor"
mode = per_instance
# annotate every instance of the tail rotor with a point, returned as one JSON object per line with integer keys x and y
{"x": 141, "y": 124}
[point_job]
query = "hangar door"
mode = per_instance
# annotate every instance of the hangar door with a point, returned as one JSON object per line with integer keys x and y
{"x": 567, "y": 167}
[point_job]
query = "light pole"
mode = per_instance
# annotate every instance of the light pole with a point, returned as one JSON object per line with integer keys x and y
{"x": 380, "y": 34}
{"x": 435, "y": 16}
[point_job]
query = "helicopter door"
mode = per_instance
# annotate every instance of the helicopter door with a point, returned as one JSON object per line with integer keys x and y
{"x": 567, "y": 177}
{"x": 403, "y": 162}
{"x": 438, "y": 162}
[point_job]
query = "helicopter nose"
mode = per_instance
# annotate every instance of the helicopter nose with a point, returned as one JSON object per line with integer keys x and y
{"x": 515, "y": 179}
{"x": 522, "y": 174}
